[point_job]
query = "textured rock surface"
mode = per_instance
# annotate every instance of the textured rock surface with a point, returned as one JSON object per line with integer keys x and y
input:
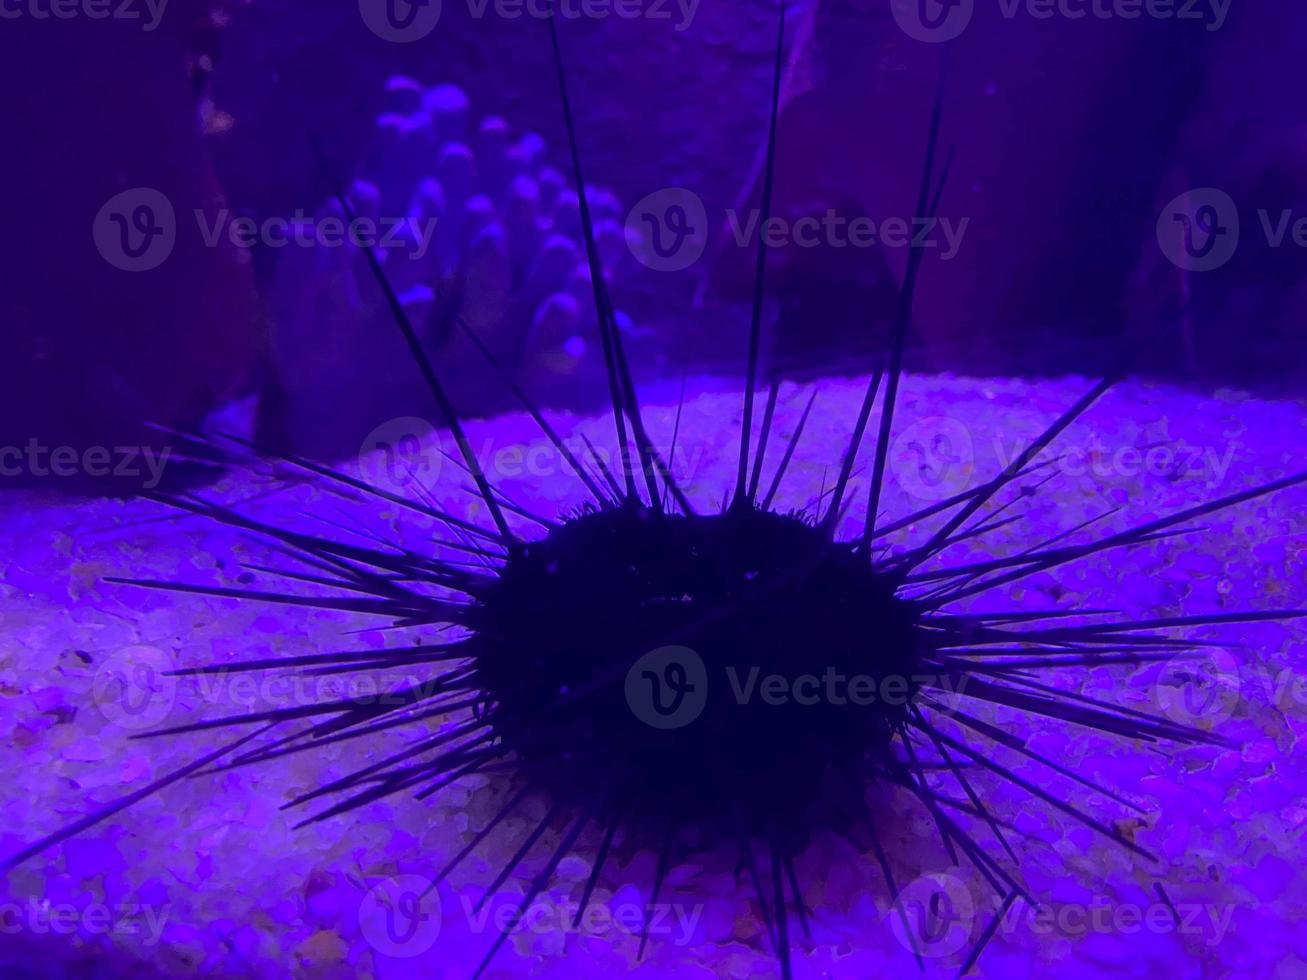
{"x": 238, "y": 893}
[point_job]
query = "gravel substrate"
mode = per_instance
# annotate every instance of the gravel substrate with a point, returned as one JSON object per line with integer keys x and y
{"x": 209, "y": 879}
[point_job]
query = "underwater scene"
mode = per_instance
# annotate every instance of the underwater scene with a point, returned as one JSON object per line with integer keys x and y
{"x": 653, "y": 488}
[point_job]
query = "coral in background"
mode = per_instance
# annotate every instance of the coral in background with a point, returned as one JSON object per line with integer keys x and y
{"x": 475, "y": 230}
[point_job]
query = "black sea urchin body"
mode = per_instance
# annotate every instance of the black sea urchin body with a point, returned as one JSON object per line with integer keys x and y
{"x": 686, "y": 668}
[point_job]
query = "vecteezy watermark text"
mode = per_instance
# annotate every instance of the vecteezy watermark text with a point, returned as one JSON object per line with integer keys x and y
{"x": 834, "y": 230}
{"x": 137, "y": 230}
{"x": 408, "y": 233}
{"x": 43, "y": 917}
{"x": 1208, "y": 689}
{"x": 936, "y": 916}
{"x": 936, "y": 457}
{"x": 141, "y": 464}
{"x": 406, "y": 21}
{"x": 406, "y": 454}
{"x": 137, "y": 687}
{"x": 938, "y": 21}
{"x": 832, "y": 687}
{"x": 589, "y": 10}
{"x": 1206, "y": 920}
{"x": 1201, "y": 230}
{"x": 668, "y": 688}
{"x": 1174, "y": 461}
{"x": 402, "y": 917}
{"x": 148, "y": 12}
{"x": 671, "y": 920}
{"x": 668, "y": 230}
{"x": 1212, "y": 13}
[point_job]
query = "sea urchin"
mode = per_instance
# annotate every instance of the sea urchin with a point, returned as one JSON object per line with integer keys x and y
{"x": 597, "y": 648}
{"x": 740, "y": 677}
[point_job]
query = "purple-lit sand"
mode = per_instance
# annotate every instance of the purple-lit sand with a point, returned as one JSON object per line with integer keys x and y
{"x": 209, "y": 878}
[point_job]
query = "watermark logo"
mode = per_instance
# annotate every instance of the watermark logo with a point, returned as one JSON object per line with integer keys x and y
{"x": 43, "y": 917}
{"x": 1192, "y": 691}
{"x": 406, "y": 454}
{"x": 934, "y": 458}
{"x": 1211, "y": 13}
{"x": 1199, "y": 230}
{"x": 400, "y": 21}
{"x": 933, "y": 916}
{"x": 405, "y": 21}
{"x": 937, "y": 21}
{"x": 136, "y": 230}
{"x": 667, "y": 688}
{"x": 668, "y": 229}
{"x": 400, "y": 917}
{"x": 1206, "y": 921}
{"x": 148, "y": 12}
{"x": 138, "y": 464}
{"x": 831, "y": 687}
{"x": 834, "y": 230}
{"x": 1165, "y": 461}
{"x": 133, "y": 688}
{"x": 669, "y": 920}
{"x": 933, "y": 21}
{"x": 408, "y": 234}
{"x": 1202, "y": 229}
{"x": 401, "y": 456}
{"x": 137, "y": 687}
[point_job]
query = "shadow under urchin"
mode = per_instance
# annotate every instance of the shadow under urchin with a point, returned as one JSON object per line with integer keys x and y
{"x": 553, "y": 629}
